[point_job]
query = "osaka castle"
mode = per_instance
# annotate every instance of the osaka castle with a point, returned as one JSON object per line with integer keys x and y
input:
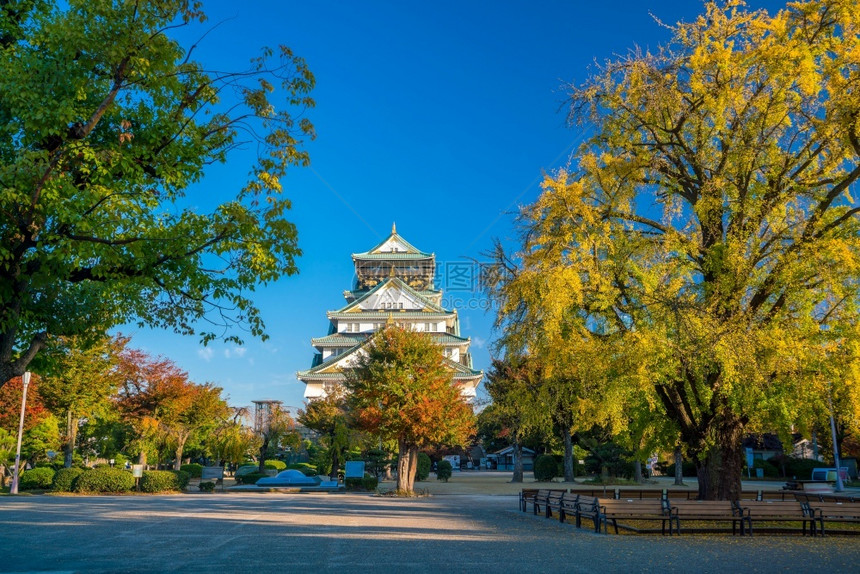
{"x": 394, "y": 283}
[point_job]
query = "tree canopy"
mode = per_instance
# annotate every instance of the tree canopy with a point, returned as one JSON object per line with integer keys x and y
{"x": 400, "y": 389}
{"x": 707, "y": 233}
{"x": 105, "y": 121}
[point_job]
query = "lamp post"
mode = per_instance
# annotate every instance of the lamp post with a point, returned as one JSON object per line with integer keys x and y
{"x": 26, "y": 380}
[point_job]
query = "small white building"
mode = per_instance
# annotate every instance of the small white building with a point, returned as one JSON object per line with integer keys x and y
{"x": 504, "y": 459}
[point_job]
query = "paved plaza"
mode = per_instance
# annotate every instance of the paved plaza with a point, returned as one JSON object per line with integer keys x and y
{"x": 285, "y": 533}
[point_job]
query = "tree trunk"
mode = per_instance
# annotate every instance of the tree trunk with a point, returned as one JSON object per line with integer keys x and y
{"x": 518, "y": 463}
{"x": 335, "y": 463}
{"x": 180, "y": 446}
{"x": 413, "y": 466}
{"x": 568, "y": 456}
{"x": 141, "y": 458}
{"x": 407, "y": 464}
{"x": 71, "y": 440}
{"x": 637, "y": 471}
{"x": 679, "y": 467}
{"x": 719, "y": 469}
{"x": 263, "y": 448}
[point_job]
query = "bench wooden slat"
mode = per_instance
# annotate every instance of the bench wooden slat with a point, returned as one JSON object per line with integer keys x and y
{"x": 822, "y": 512}
{"x": 774, "y": 511}
{"x": 706, "y": 511}
{"x": 611, "y": 510}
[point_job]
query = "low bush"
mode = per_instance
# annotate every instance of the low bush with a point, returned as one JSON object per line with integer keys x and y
{"x": 246, "y": 469}
{"x": 443, "y": 470}
{"x": 250, "y": 478}
{"x": 162, "y": 480}
{"x": 65, "y": 478}
{"x": 305, "y": 468}
{"x": 368, "y": 482}
{"x": 206, "y": 486}
{"x": 545, "y": 468}
{"x": 39, "y": 478}
{"x": 801, "y": 468}
{"x": 104, "y": 480}
{"x": 770, "y": 470}
{"x": 424, "y": 464}
{"x": 194, "y": 470}
{"x": 278, "y": 465}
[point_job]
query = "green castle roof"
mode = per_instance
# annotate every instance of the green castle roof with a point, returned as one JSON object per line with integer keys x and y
{"x": 411, "y": 251}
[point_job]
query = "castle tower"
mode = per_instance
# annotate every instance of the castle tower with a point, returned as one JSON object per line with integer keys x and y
{"x": 394, "y": 281}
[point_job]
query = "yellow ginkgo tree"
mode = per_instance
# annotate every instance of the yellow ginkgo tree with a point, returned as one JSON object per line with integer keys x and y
{"x": 707, "y": 232}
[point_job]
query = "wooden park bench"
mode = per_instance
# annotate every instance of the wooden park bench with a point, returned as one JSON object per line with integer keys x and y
{"x": 527, "y": 495}
{"x": 780, "y": 495}
{"x": 705, "y": 511}
{"x": 215, "y": 473}
{"x": 826, "y": 497}
{"x": 821, "y": 512}
{"x": 544, "y": 498}
{"x": 773, "y": 511}
{"x": 554, "y": 502}
{"x": 568, "y": 505}
{"x": 585, "y": 507}
{"x": 612, "y": 510}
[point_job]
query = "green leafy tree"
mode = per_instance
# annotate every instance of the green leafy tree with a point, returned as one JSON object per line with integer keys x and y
{"x": 328, "y": 417}
{"x": 80, "y": 383}
{"x": 707, "y": 230}
{"x": 400, "y": 389}
{"x": 233, "y": 440}
{"x": 8, "y": 443}
{"x": 277, "y": 431}
{"x": 514, "y": 385}
{"x": 106, "y": 122}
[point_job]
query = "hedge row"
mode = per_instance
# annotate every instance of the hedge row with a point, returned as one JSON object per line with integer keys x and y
{"x": 36, "y": 479}
{"x": 163, "y": 480}
{"x": 65, "y": 479}
{"x": 194, "y": 470}
{"x": 368, "y": 483}
{"x": 104, "y": 480}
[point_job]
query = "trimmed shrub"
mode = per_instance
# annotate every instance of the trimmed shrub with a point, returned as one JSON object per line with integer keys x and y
{"x": 250, "y": 478}
{"x": 443, "y": 470}
{"x": 65, "y": 478}
{"x": 424, "y": 464}
{"x": 802, "y": 467}
{"x": 206, "y": 486}
{"x": 104, "y": 480}
{"x": 194, "y": 470}
{"x": 770, "y": 471}
{"x": 275, "y": 464}
{"x": 545, "y": 468}
{"x": 368, "y": 482}
{"x": 39, "y": 478}
{"x": 246, "y": 469}
{"x": 159, "y": 481}
{"x": 305, "y": 468}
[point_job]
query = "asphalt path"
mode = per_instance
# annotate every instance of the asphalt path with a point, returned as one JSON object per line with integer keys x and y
{"x": 285, "y": 533}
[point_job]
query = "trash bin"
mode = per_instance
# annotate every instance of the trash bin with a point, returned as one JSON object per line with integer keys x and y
{"x": 759, "y": 473}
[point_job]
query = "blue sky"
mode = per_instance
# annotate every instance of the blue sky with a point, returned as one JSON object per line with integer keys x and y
{"x": 438, "y": 116}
